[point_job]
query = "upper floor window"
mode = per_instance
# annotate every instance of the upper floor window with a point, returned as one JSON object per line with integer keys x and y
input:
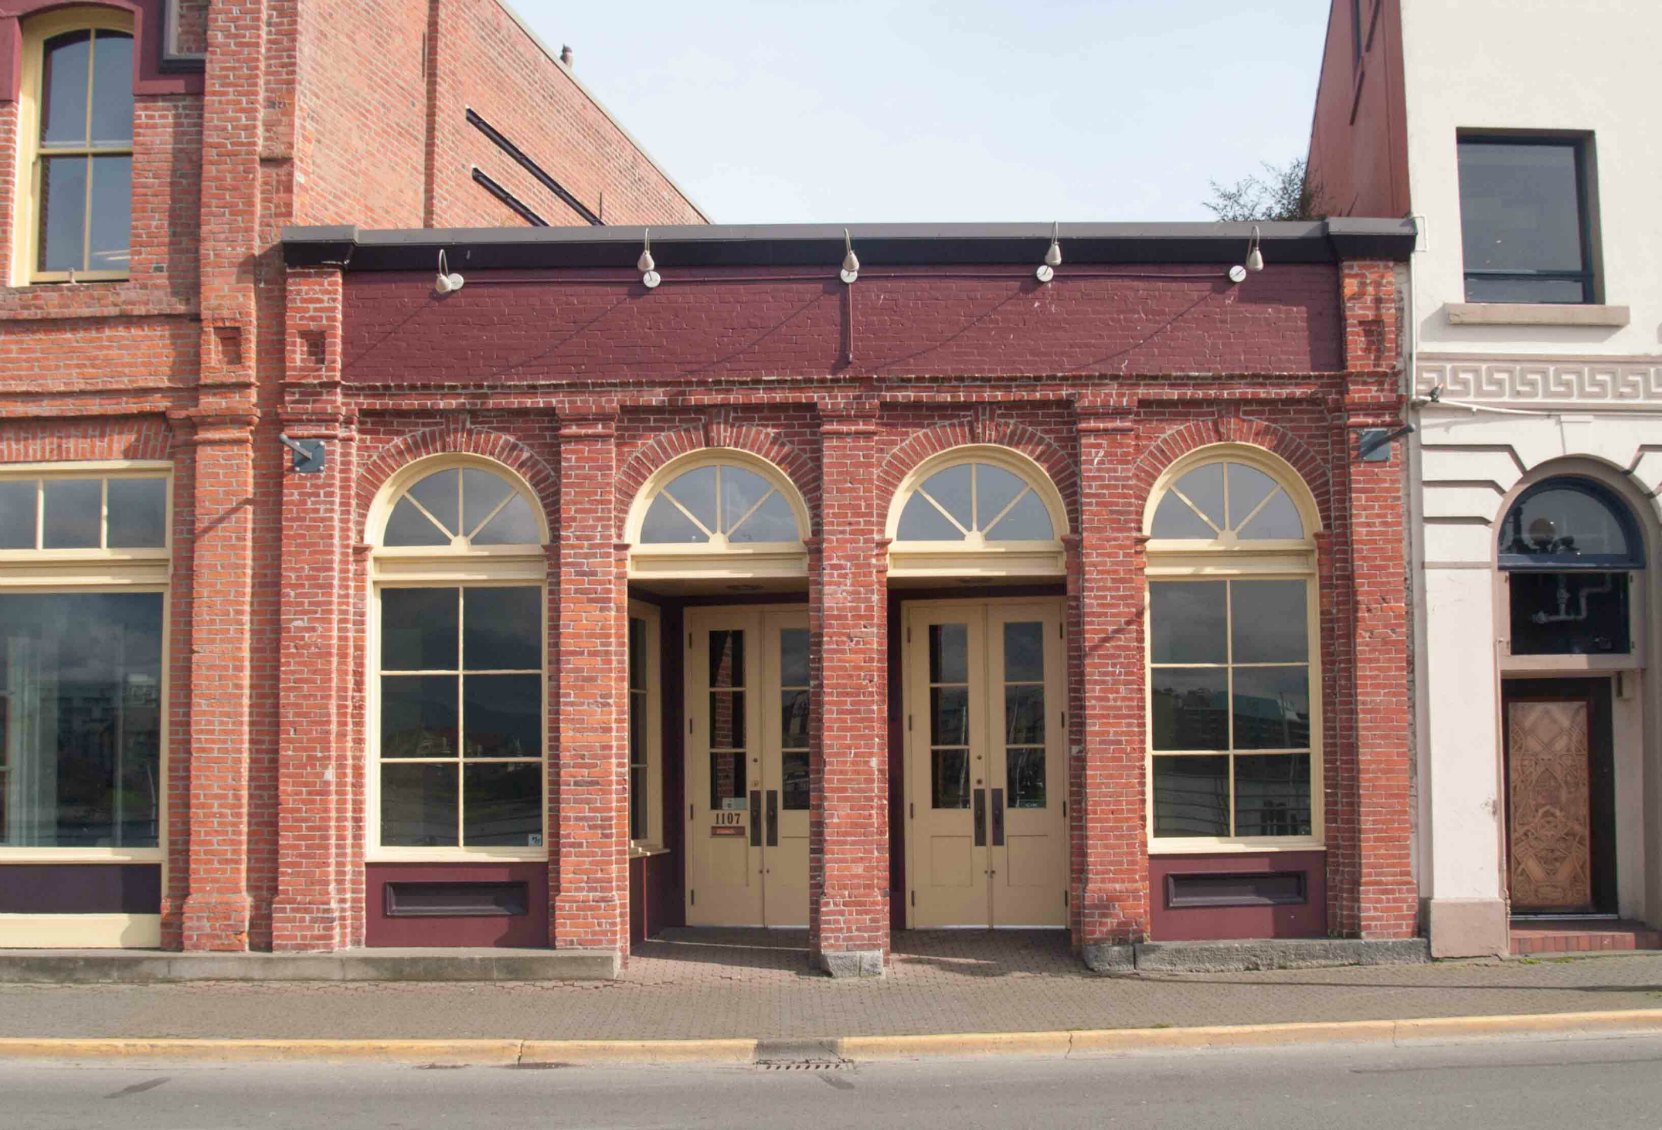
{"x": 1525, "y": 219}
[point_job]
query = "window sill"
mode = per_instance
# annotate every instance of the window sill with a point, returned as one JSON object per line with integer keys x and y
{"x": 80, "y": 855}
{"x": 641, "y": 851}
{"x": 1536, "y": 314}
{"x": 456, "y": 855}
{"x": 1232, "y": 847}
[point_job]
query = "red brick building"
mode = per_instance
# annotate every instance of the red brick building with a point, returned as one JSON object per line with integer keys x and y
{"x": 154, "y": 151}
{"x": 746, "y": 594}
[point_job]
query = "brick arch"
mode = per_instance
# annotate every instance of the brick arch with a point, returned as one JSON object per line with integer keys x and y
{"x": 1196, "y": 434}
{"x": 749, "y": 438}
{"x": 457, "y": 439}
{"x": 921, "y": 445}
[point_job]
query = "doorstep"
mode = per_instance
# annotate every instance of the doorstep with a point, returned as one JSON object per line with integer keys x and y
{"x": 1580, "y": 935}
{"x": 80, "y": 967}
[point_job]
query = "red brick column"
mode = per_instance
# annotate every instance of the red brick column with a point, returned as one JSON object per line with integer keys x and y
{"x": 314, "y": 782}
{"x": 216, "y": 910}
{"x": 589, "y": 772}
{"x": 848, "y": 835}
{"x": 1380, "y": 899}
{"x": 1108, "y": 888}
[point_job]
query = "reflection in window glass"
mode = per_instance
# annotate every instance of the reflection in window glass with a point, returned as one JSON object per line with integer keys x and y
{"x": 137, "y": 513}
{"x": 18, "y": 510}
{"x": 969, "y": 498}
{"x": 1272, "y": 795}
{"x": 84, "y": 204}
{"x": 80, "y": 718}
{"x": 1569, "y": 613}
{"x": 478, "y": 506}
{"x": 1226, "y": 498}
{"x": 1191, "y": 796}
{"x": 1522, "y": 221}
{"x": 721, "y": 500}
{"x": 73, "y": 513}
{"x": 1577, "y": 523}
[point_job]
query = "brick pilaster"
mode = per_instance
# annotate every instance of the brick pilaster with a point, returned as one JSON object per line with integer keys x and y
{"x": 848, "y": 863}
{"x": 589, "y": 773}
{"x": 314, "y": 779}
{"x": 1108, "y": 814}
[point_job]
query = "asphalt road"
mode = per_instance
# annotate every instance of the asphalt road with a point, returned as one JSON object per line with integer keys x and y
{"x": 1602, "y": 1082}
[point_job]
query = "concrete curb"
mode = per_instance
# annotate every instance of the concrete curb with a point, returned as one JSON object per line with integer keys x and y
{"x": 848, "y": 1049}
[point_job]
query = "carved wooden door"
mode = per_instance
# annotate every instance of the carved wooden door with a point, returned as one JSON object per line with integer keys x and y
{"x": 1550, "y": 865}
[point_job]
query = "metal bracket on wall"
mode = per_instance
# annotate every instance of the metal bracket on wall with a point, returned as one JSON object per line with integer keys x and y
{"x": 1373, "y": 445}
{"x": 308, "y": 454}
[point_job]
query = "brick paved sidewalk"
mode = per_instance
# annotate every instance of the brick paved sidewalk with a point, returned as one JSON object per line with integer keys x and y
{"x": 709, "y": 984}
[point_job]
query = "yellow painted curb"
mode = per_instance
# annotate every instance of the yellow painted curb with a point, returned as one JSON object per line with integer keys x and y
{"x": 1107, "y": 1041}
{"x": 638, "y": 1051}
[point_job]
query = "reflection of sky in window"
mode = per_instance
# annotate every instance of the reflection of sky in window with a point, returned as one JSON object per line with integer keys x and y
{"x": 1519, "y": 207}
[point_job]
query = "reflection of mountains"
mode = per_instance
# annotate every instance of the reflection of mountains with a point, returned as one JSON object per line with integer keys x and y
{"x": 1197, "y": 720}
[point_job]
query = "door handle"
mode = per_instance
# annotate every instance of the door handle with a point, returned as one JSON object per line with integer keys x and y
{"x": 998, "y": 817}
{"x": 773, "y": 818}
{"x": 980, "y": 805}
{"x": 755, "y": 817}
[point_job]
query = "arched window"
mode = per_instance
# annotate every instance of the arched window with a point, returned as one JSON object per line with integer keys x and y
{"x": 1234, "y": 712}
{"x": 75, "y": 212}
{"x": 459, "y": 697}
{"x": 1569, "y": 548}
{"x": 718, "y": 512}
{"x": 985, "y": 511}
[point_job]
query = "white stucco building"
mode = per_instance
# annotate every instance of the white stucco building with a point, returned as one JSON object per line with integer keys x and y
{"x": 1522, "y": 138}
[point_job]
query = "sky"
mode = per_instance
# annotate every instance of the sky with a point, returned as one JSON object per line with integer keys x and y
{"x": 861, "y": 111}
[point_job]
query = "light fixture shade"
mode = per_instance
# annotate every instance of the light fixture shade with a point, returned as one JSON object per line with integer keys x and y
{"x": 1255, "y": 260}
{"x": 1053, "y": 257}
{"x": 645, "y": 263}
{"x": 851, "y": 261}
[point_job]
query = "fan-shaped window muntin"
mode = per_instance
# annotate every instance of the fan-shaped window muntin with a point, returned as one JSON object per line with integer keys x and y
{"x": 461, "y": 507}
{"x": 719, "y": 504}
{"x": 975, "y": 502}
{"x": 1227, "y": 502}
{"x": 1567, "y": 523}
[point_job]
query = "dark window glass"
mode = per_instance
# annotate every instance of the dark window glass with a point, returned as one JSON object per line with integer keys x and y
{"x": 1522, "y": 219}
{"x": 637, "y": 654}
{"x": 639, "y": 767}
{"x": 1569, "y": 613}
{"x": 948, "y": 653}
{"x": 80, "y": 720}
{"x": 73, "y": 513}
{"x": 949, "y": 716}
{"x": 1024, "y": 715}
{"x": 1191, "y": 796}
{"x": 949, "y": 778}
{"x": 418, "y": 805}
{"x": 137, "y": 513}
{"x": 439, "y": 495}
{"x": 793, "y": 657}
{"x": 408, "y": 526}
{"x": 502, "y": 715}
{"x": 793, "y": 786}
{"x": 793, "y": 719}
{"x": 63, "y": 104}
{"x": 502, "y": 805}
{"x": 1269, "y": 621}
{"x": 1025, "y": 777}
{"x": 63, "y": 201}
{"x": 726, "y": 659}
{"x": 502, "y": 629}
{"x": 418, "y": 629}
{"x": 1189, "y": 621}
{"x": 1272, "y": 707}
{"x": 418, "y": 716}
{"x": 1190, "y": 708}
{"x": 18, "y": 513}
{"x": 1272, "y": 795}
{"x": 1024, "y": 652}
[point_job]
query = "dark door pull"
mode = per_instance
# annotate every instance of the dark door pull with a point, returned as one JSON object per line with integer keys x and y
{"x": 773, "y": 818}
{"x": 998, "y": 817}
{"x": 755, "y": 817}
{"x": 980, "y": 803}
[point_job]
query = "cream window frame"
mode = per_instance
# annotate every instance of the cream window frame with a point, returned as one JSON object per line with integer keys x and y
{"x": 716, "y": 559}
{"x": 25, "y": 229}
{"x": 53, "y": 571}
{"x": 653, "y": 842}
{"x": 974, "y": 555}
{"x": 456, "y": 566}
{"x": 1226, "y": 559}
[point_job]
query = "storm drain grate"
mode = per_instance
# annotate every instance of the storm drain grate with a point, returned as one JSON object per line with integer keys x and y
{"x": 799, "y": 1055}
{"x": 807, "y": 1065}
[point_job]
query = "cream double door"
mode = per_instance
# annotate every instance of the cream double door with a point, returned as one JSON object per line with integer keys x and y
{"x": 986, "y": 779}
{"x": 747, "y": 706}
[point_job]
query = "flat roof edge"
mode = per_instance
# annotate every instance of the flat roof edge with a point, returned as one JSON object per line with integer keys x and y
{"x": 1314, "y": 241}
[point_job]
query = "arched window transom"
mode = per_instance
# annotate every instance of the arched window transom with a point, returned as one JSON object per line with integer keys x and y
{"x": 1226, "y": 502}
{"x": 461, "y": 508}
{"x": 718, "y": 505}
{"x": 1569, "y": 522}
{"x": 975, "y": 502}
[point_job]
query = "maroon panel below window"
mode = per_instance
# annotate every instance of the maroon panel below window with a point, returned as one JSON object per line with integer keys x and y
{"x": 81, "y": 888}
{"x": 430, "y": 885}
{"x": 1245, "y": 896}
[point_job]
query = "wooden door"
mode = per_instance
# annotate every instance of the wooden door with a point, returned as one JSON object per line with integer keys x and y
{"x": 1550, "y": 864}
{"x": 786, "y": 712}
